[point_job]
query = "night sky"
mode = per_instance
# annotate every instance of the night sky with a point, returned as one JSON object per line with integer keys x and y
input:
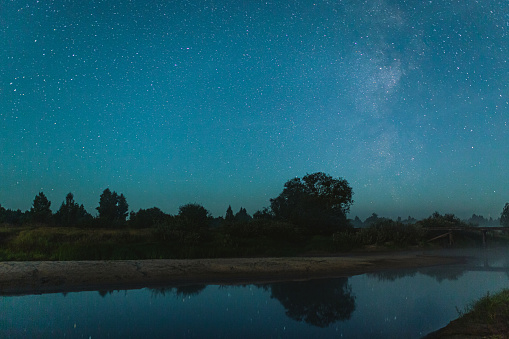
{"x": 221, "y": 102}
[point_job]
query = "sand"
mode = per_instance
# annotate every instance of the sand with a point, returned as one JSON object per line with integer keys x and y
{"x": 33, "y": 277}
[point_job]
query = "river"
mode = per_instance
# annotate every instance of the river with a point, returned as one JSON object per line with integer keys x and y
{"x": 391, "y": 304}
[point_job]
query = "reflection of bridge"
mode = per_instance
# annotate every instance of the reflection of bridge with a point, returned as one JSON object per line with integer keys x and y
{"x": 449, "y": 231}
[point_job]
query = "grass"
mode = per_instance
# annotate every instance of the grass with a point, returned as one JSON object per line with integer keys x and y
{"x": 70, "y": 243}
{"x": 487, "y": 317}
{"x": 489, "y": 309}
{"x": 255, "y": 239}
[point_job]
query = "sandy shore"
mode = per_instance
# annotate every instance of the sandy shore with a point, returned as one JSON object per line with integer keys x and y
{"x": 65, "y": 276}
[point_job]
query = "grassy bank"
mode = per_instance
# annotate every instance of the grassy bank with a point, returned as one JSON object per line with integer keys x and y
{"x": 68, "y": 243}
{"x": 486, "y": 318}
{"x": 181, "y": 241}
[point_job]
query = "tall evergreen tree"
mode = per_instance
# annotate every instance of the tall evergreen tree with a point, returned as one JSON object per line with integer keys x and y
{"x": 504, "y": 217}
{"x": 122, "y": 208}
{"x": 229, "y": 214}
{"x": 40, "y": 211}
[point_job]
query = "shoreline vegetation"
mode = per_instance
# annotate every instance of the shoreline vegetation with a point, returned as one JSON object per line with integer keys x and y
{"x": 485, "y": 318}
{"x": 34, "y": 277}
{"x": 309, "y": 217}
{"x": 257, "y": 238}
{"x": 304, "y": 234}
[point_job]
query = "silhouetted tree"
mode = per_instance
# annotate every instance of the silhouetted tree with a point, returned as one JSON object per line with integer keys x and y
{"x": 264, "y": 213}
{"x": 146, "y": 218}
{"x": 40, "y": 211}
{"x": 504, "y": 216}
{"x": 11, "y": 217}
{"x": 112, "y": 208}
{"x": 3, "y": 214}
{"x": 229, "y": 214}
{"x": 409, "y": 221}
{"x": 317, "y": 201}
{"x": 316, "y": 302}
{"x": 477, "y": 220}
{"x": 242, "y": 215}
{"x": 438, "y": 220}
{"x": 374, "y": 219}
{"x": 71, "y": 214}
{"x": 357, "y": 222}
{"x": 195, "y": 215}
{"x": 122, "y": 208}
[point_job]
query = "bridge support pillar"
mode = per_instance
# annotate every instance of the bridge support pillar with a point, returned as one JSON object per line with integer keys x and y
{"x": 483, "y": 237}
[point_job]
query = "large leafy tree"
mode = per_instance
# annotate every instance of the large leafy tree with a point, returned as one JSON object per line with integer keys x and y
{"x": 317, "y": 201}
{"x": 40, "y": 211}
{"x": 319, "y": 302}
{"x": 504, "y": 217}
{"x": 194, "y": 215}
{"x": 146, "y": 218}
{"x": 112, "y": 208}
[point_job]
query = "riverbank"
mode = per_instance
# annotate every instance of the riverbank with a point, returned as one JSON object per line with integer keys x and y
{"x": 486, "y": 318}
{"x": 32, "y": 277}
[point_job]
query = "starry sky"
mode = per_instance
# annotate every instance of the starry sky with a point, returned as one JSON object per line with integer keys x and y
{"x": 221, "y": 102}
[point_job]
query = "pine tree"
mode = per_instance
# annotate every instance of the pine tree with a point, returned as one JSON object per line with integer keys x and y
{"x": 229, "y": 214}
{"x": 40, "y": 211}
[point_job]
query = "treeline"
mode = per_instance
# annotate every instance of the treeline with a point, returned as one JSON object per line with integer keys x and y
{"x": 317, "y": 202}
{"x": 439, "y": 221}
{"x": 308, "y": 216}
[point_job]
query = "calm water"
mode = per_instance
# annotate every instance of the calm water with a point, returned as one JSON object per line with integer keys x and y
{"x": 400, "y": 304}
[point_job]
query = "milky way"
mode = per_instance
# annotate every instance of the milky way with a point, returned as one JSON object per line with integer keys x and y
{"x": 221, "y": 102}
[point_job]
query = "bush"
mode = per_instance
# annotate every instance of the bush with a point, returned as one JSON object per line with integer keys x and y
{"x": 181, "y": 230}
{"x": 445, "y": 221}
{"x": 383, "y": 232}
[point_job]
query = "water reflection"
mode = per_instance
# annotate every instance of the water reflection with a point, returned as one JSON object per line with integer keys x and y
{"x": 494, "y": 260}
{"x": 398, "y": 304}
{"x": 179, "y": 291}
{"x": 316, "y": 302}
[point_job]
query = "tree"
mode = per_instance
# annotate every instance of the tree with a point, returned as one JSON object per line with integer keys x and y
{"x": 320, "y": 302}
{"x": 446, "y": 220}
{"x": 112, "y": 207}
{"x": 265, "y": 213}
{"x": 70, "y": 213}
{"x": 122, "y": 208}
{"x": 504, "y": 216}
{"x": 40, "y": 211}
{"x": 317, "y": 201}
{"x": 229, "y": 214}
{"x": 357, "y": 222}
{"x": 242, "y": 215}
{"x": 146, "y": 218}
{"x": 194, "y": 215}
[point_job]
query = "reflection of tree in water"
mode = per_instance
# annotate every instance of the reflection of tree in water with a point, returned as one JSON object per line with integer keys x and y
{"x": 391, "y": 275}
{"x": 103, "y": 293}
{"x": 180, "y": 291}
{"x": 189, "y": 291}
{"x": 439, "y": 274}
{"x": 317, "y": 302}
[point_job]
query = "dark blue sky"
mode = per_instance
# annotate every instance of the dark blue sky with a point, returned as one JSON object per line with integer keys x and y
{"x": 221, "y": 102}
